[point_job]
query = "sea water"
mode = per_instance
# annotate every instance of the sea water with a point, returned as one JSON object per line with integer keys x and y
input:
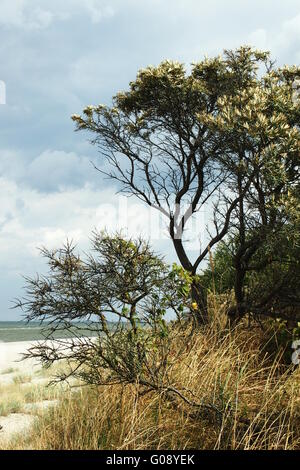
{"x": 11, "y": 331}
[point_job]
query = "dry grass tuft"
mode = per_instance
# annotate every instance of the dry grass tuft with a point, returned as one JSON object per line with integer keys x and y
{"x": 258, "y": 399}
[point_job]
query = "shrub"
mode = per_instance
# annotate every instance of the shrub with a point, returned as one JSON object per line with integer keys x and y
{"x": 124, "y": 296}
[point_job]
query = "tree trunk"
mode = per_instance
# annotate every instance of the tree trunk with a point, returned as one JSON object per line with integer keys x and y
{"x": 238, "y": 311}
{"x": 197, "y": 292}
{"x": 198, "y": 296}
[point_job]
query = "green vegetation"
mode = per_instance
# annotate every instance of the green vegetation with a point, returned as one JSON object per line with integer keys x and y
{"x": 22, "y": 379}
{"x": 9, "y": 370}
{"x": 256, "y": 403}
{"x": 26, "y": 389}
{"x": 200, "y": 354}
{"x": 225, "y": 136}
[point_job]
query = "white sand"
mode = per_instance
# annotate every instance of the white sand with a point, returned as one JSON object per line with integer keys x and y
{"x": 11, "y": 354}
{"x": 40, "y": 405}
{"x": 34, "y": 381}
{"x": 14, "y": 424}
{"x": 10, "y": 358}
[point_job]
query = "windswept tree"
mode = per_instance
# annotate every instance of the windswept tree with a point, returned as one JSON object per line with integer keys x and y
{"x": 260, "y": 125}
{"x": 174, "y": 140}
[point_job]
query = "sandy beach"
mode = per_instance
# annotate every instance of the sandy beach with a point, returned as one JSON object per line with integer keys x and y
{"x": 11, "y": 355}
{"x": 18, "y": 421}
{"x": 23, "y": 392}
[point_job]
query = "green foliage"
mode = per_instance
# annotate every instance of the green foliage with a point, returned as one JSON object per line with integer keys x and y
{"x": 273, "y": 276}
{"x": 183, "y": 281}
{"x": 218, "y": 277}
{"x": 226, "y": 134}
{"x": 281, "y": 337}
{"x": 10, "y": 407}
{"x": 122, "y": 293}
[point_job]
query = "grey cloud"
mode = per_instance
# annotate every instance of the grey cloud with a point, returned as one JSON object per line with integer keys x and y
{"x": 57, "y": 57}
{"x": 52, "y": 170}
{"x": 56, "y": 170}
{"x": 30, "y": 15}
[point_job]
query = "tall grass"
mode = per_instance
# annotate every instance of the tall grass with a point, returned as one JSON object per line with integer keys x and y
{"x": 257, "y": 398}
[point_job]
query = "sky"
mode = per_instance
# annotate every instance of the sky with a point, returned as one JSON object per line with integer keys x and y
{"x": 58, "y": 57}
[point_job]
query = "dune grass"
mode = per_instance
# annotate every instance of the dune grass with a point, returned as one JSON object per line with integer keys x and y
{"x": 258, "y": 396}
{"x": 9, "y": 370}
{"x": 254, "y": 398}
{"x": 22, "y": 378}
{"x": 25, "y": 388}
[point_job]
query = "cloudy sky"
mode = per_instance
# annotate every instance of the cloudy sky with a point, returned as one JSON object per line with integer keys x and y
{"x": 56, "y": 58}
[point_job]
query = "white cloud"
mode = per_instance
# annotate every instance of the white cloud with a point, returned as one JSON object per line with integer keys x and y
{"x": 97, "y": 11}
{"x": 30, "y": 219}
{"x": 87, "y": 72}
{"x": 58, "y": 169}
{"x": 70, "y": 61}
{"x": 259, "y": 39}
{"x": 292, "y": 27}
{"x": 287, "y": 42}
{"x": 52, "y": 170}
{"x": 19, "y": 13}
{"x": 284, "y": 43}
{"x": 29, "y": 15}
